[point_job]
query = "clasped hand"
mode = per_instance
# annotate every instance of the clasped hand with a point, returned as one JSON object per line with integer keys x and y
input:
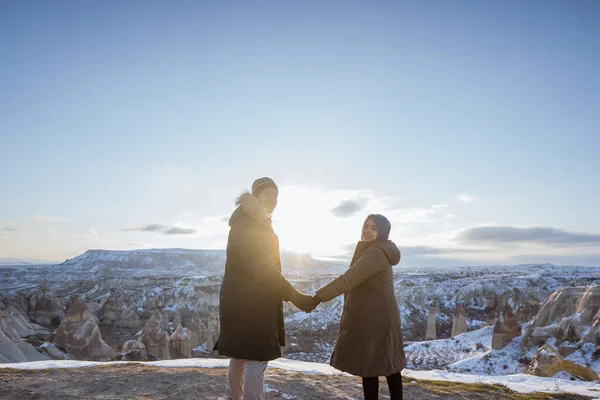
{"x": 305, "y": 302}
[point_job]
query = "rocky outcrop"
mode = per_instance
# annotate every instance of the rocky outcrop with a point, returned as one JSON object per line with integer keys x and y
{"x": 560, "y": 304}
{"x": 18, "y": 301}
{"x": 177, "y": 319}
{"x": 459, "y": 321}
{"x": 15, "y": 325}
{"x": 108, "y": 312}
{"x": 94, "y": 309}
{"x": 493, "y": 316}
{"x": 51, "y": 350}
{"x": 132, "y": 345}
{"x": 570, "y": 329}
{"x": 526, "y": 311}
{"x": 44, "y": 307}
{"x": 593, "y": 335}
{"x": 507, "y": 328}
{"x": 588, "y": 304}
{"x": 547, "y": 362}
{"x": 127, "y": 318}
{"x": 165, "y": 321}
{"x": 113, "y": 313}
{"x": 154, "y": 337}
{"x": 17, "y": 351}
{"x": 213, "y": 328}
{"x": 80, "y": 336}
{"x": 134, "y": 350}
{"x": 431, "y": 325}
{"x": 197, "y": 331}
{"x": 180, "y": 343}
{"x": 571, "y": 315}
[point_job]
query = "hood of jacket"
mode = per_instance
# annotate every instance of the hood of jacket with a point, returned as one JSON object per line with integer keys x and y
{"x": 248, "y": 206}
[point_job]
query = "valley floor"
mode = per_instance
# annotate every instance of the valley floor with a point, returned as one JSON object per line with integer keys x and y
{"x": 138, "y": 381}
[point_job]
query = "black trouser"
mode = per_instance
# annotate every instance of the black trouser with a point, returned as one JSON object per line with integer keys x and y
{"x": 371, "y": 387}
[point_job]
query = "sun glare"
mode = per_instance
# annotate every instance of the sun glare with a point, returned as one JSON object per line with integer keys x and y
{"x": 305, "y": 224}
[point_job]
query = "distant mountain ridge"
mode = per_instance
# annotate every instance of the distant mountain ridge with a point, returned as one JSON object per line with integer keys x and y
{"x": 179, "y": 262}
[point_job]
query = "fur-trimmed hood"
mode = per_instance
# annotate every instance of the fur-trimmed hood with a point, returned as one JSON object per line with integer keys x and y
{"x": 249, "y": 205}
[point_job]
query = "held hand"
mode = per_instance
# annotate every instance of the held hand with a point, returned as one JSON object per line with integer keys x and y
{"x": 304, "y": 302}
{"x": 316, "y": 301}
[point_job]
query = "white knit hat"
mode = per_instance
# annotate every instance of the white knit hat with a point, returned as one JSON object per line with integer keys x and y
{"x": 263, "y": 183}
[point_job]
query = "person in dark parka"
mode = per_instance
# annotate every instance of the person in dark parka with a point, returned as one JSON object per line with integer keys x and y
{"x": 370, "y": 339}
{"x": 251, "y": 308}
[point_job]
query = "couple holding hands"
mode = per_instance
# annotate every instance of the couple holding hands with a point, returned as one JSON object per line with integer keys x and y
{"x": 369, "y": 344}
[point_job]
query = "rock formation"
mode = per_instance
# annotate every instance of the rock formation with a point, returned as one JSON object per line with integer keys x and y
{"x": 13, "y": 351}
{"x": 558, "y": 305}
{"x": 570, "y": 329}
{"x": 506, "y": 329}
{"x": 80, "y": 336}
{"x": 154, "y": 337}
{"x": 94, "y": 309}
{"x": 177, "y": 319}
{"x": 180, "y": 343}
{"x": 52, "y": 351}
{"x": 571, "y": 315}
{"x": 526, "y": 311}
{"x": 15, "y": 325}
{"x": 165, "y": 321}
{"x": 134, "y": 350}
{"x": 588, "y": 304}
{"x": 44, "y": 307}
{"x": 127, "y": 318}
{"x": 493, "y": 316}
{"x": 459, "y": 321}
{"x": 547, "y": 362}
{"x": 213, "y": 328}
{"x": 108, "y": 312}
{"x": 197, "y": 331}
{"x": 431, "y": 325}
{"x": 593, "y": 335}
{"x": 18, "y": 301}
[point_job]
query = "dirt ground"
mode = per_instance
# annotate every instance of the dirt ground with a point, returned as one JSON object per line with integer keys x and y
{"x": 135, "y": 381}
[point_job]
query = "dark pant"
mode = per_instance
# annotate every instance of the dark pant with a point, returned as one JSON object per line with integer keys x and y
{"x": 371, "y": 387}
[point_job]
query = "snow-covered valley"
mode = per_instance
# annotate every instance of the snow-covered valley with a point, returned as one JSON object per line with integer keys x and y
{"x": 506, "y": 320}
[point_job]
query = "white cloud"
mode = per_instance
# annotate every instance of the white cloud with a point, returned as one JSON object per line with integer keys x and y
{"x": 500, "y": 235}
{"x": 163, "y": 229}
{"x": 465, "y": 198}
{"x": 306, "y": 221}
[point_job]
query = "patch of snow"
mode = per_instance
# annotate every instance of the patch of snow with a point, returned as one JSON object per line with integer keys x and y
{"x": 442, "y": 352}
{"x": 518, "y": 382}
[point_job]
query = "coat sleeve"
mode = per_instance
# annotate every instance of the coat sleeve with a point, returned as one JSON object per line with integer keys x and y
{"x": 257, "y": 261}
{"x": 371, "y": 262}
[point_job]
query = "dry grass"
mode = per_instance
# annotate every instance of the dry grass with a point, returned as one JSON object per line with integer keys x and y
{"x": 137, "y": 381}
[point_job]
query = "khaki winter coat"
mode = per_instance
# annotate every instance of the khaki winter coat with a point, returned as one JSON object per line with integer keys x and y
{"x": 370, "y": 338}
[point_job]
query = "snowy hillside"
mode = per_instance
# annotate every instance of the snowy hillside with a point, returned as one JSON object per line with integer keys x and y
{"x": 151, "y": 262}
{"x": 434, "y": 354}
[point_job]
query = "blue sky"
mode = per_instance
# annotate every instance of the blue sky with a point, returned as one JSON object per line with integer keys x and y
{"x": 115, "y": 116}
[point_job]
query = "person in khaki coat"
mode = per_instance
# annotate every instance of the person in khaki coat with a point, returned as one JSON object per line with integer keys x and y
{"x": 370, "y": 338}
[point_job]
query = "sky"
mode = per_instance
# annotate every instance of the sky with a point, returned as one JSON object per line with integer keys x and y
{"x": 473, "y": 126}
